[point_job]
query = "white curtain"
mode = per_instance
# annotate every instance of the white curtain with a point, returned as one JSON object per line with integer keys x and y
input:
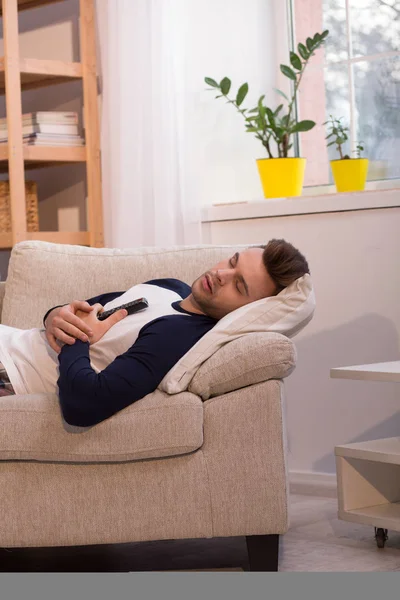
{"x": 150, "y": 196}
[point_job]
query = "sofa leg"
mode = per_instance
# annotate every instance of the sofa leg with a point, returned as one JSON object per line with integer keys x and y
{"x": 263, "y": 552}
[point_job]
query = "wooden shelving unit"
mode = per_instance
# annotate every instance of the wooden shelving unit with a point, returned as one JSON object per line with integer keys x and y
{"x": 368, "y": 473}
{"x": 18, "y": 74}
{"x": 369, "y": 483}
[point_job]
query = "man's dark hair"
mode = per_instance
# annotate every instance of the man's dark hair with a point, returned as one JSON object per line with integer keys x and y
{"x": 284, "y": 263}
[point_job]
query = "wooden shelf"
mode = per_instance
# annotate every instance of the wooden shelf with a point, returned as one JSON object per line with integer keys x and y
{"x": 368, "y": 477}
{"x": 388, "y": 371}
{"x": 81, "y": 238}
{"x": 25, "y": 4}
{"x": 44, "y": 156}
{"x": 37, "y": 73}
{"x": 386, "y": 450}
{"x": 386, "y": 516}
{"x": 368, "y": 473}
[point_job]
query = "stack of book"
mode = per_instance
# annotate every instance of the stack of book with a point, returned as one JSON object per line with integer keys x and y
{"x": 47, "y": 128}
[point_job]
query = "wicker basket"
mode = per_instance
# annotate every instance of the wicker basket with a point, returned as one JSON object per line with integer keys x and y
{"x": 32, "y": 216}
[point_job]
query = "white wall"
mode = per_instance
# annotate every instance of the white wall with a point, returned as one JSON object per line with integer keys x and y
{"x": 354, "y": 262}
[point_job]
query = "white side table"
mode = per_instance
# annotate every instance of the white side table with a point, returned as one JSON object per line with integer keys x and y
{"x": 368, "y": 473}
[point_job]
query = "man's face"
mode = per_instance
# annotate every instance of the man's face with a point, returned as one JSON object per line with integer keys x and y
{"x": 237, "y": 280}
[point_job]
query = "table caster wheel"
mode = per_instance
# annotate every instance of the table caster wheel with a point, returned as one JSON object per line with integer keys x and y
{"x": 381, "y": 536}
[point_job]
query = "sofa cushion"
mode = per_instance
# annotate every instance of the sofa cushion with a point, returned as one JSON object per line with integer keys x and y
{"x": 286, "y": 313}
{"x": 31, "y": 428}
{"x": 247, "y": 360}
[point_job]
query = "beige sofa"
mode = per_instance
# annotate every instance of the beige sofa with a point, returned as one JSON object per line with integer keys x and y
{"x": 207, "y": 462}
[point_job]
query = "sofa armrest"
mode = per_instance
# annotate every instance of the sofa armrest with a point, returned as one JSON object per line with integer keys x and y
{"x": 247, "y": 360}
{"x": 245, "y": 450}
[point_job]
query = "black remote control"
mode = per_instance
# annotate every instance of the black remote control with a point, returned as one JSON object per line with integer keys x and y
{"x": 131, "y": 307}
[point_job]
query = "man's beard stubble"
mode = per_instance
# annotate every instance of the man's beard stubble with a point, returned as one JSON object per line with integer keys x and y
{"x": 199, "y": 295}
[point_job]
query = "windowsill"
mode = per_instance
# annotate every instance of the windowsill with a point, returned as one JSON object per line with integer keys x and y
{"x": 303, "y": 205}
{"x": 379, "y": 184}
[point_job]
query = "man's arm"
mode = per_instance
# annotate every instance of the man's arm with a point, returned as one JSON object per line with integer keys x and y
{"x": 87, "y": 397}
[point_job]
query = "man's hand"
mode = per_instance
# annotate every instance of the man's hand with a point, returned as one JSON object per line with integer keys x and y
{"x": 78, "y": 320}
{"x": 99, "y": 328}
{"x": 62, "y": 324}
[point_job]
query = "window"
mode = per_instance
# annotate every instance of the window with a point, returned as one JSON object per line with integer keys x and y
{"x": 356, "y": 76}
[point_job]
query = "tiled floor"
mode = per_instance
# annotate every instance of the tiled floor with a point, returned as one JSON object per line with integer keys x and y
{"x": 319, "y": 541}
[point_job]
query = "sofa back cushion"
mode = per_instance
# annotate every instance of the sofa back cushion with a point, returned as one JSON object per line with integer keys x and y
{"x": 43, "y": 274}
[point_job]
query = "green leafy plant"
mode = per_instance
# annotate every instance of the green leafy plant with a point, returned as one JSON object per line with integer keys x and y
{"x": 359, "y": 148}
{"x": 279, "y": 124}
{"x": 339, "y": 132}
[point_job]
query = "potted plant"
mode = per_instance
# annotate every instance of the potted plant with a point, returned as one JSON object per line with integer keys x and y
{"x": 282, "y": 175}
{"x": 349, "y": 174}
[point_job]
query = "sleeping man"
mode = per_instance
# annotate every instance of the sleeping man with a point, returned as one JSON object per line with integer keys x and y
{"x": 100, "y": 367}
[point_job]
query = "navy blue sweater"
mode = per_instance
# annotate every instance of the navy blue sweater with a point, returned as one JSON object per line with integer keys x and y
{"x": 87, "y": 397}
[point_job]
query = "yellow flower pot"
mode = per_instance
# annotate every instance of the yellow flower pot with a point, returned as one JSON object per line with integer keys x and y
{"x": 350, "y": 174}
{"x": 281, "y": 177}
